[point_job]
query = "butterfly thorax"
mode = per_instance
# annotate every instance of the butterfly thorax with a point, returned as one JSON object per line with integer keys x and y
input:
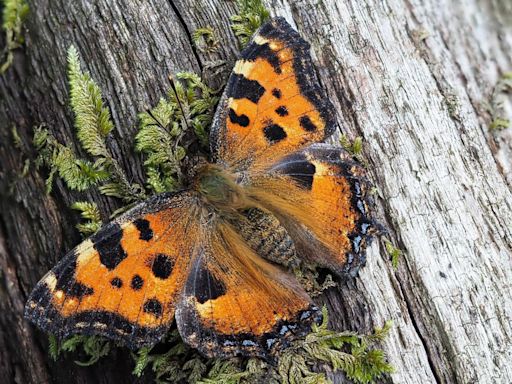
{"x": 219, "y": 189}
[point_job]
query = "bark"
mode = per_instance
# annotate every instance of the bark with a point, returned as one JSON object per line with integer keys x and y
{"x": 411, "y": 77}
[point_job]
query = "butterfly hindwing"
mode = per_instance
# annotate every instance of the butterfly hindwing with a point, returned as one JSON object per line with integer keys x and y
{"x": 319, "y": 194}
{"x": 235, "y": 303}
{"x": 124, "y": 281}
{"x": 273, "y": 104}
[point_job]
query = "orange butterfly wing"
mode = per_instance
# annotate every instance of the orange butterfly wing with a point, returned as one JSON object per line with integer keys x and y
{"x": 124, "y": 281}
{"x": 235, "y": 303}
{"x": 331, "y": 226}
{"x": 272, "y": 104}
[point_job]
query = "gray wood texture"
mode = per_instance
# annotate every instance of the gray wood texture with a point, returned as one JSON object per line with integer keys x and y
{"x": 411, "y": 77}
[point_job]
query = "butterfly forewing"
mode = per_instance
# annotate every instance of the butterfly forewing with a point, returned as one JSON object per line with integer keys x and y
{"x": 273, "y": 104}
{"x": 124, "y": 281}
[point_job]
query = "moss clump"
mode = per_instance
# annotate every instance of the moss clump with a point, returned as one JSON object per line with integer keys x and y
{"x": 78, "y": 174}
{"x": 188, "y": 108}
{"x": 394, "y": 253}
{"x": 252, "y": 14}
{"x": 14, "y": 14}
{"x": 92, "y": 346}
{"x": 355, "y": 148}
{"x": 205, "y": 39}
{"x": 346, "y": 351}
{"x": 93, "y": 124}
{"x": 91, "y": 213}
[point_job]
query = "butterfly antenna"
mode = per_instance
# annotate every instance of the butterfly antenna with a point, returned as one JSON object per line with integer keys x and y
{"x": 148, "y": 111}
{"x": 173, "y": 86}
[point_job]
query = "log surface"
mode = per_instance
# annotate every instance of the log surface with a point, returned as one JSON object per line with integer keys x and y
{"x": 413, "y": 78}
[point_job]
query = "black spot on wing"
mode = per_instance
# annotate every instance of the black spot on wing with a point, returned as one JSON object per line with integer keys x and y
{"x": 79, "y": 290}
{"x": 116, "y": 282}
{"x": 137, "y": 282}
{"x": 274, "y": 133}
{"x": 307, "y": 124}
{"x": 241, "y": 120}
{"x": 300, "y": 169}
{"x": 153, "y": 306}
{"x": 208, "y": 287}
{"x": 240, "y": 87}
{"x": 264, "y": 51}
{"x": 146, "y": 233}
{"x": 108, "y": 245}
{"x": 282, "y": 111}
{"x": 162, "y": 266}
{"x": 303, "y": 174}
{"x": 276, "y": 93}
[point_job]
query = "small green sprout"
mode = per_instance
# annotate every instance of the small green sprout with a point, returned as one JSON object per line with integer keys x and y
{"x": 502, "y": 89}
{"x": 393, "y": 252}
{"x": 355, "y": 148}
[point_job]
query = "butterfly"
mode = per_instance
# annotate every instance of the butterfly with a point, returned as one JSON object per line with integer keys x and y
{"x": 216, "y": 256}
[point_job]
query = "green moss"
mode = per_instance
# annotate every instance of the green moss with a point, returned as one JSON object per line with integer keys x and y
{"x": 14, "y": 14}
{"x": 91, "y": 213}
{"x": 188, "y": 108}
{"x": 205, "y": 39}
{"x": 77, "y": 174}
{"x": 355, "y": 148}
{"x": 499, "y": 124}
{"x": 394, "y": 253}
{"x": 93, "y": 124}
{"x": 53, "y": 347}
{"x": 93, "y": 347}
{"x": 347, "y": 351}
{"x": 251, "y": 14}
{"x": 501, "y": 91}
{"x": 92, "y": 118}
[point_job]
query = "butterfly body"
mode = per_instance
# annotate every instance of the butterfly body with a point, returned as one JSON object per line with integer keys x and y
{"x": 220, "y": 189}
{"x": 216, "y": 257}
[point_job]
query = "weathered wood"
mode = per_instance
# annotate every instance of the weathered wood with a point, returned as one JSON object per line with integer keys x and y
{"x": 411, "y": 77}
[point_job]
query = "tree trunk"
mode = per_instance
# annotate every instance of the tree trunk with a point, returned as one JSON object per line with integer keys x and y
{"x": 411, "y": 77}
